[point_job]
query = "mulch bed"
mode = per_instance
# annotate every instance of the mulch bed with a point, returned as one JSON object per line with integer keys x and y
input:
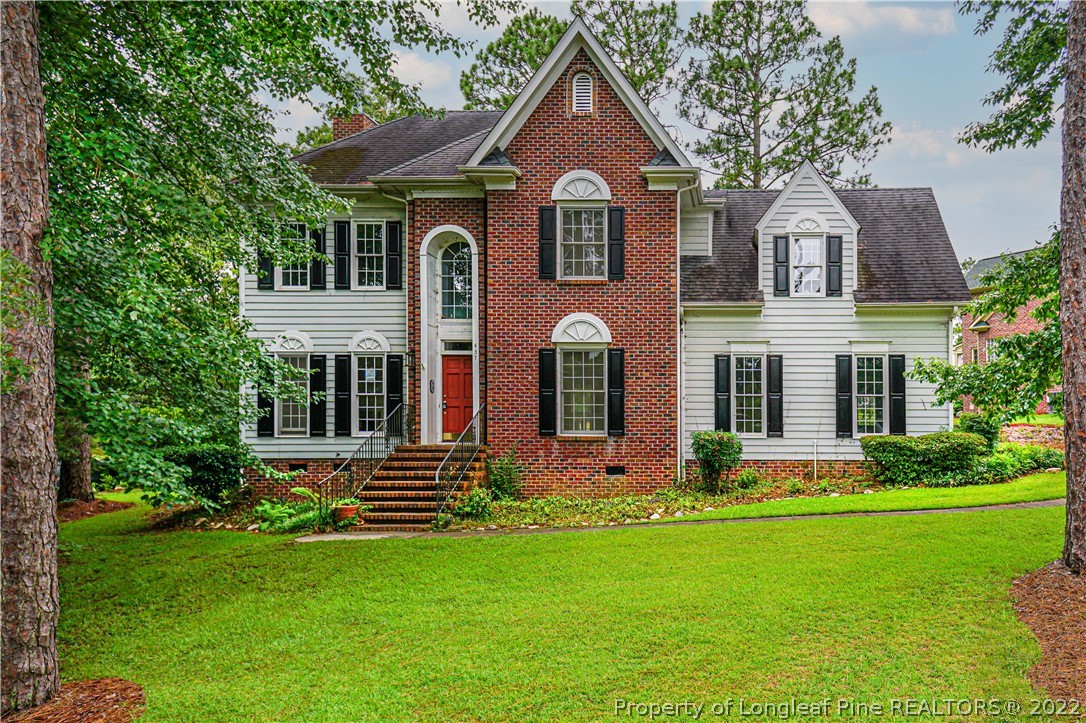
{"x": 76, "y": 510}
{"x": 1052, "y": 602}
{"x": 107, "y": 700}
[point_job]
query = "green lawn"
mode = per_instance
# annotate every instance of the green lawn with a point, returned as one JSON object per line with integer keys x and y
{"x": 1041, "y": 420}
{"x": 1025, "y": 489}
{"x": 232, "y": 626}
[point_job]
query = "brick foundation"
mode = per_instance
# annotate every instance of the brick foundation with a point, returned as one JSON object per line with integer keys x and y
{"x": 315, "y": 471}
{"x": 798, "y": 469}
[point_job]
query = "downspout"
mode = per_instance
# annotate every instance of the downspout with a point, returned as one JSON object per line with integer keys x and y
{"x": 679, "y": 324}
{"x": 950, "y": 357}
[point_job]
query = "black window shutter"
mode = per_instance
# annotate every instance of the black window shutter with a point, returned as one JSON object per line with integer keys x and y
{"x": 318, "y": 395}
{"x": 834, "y": 253}
{"x": 897, "y": 394}
{"x": 780, "y": 266}
{"x": 343, "y": 395}
{"x": 394, "y": 255}
{"x": 722, "y": 388}
{"x": 265, "y": 423}
{"x": 316, "y": 266}
{"x": 548, "y": 392}
{"x": 844, "y": 395}
{"x": 548, "y": 242}
{"x": 616, "y": 392}
{"x": 393, "y": 383}
{"x": 265, "y": 271}
{"x": 616, "y": 243}
{"x": 343, "y": 255}
{"x": 775, "y": 395}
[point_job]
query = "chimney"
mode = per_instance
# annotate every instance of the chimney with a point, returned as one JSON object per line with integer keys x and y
{"x": 343, "y": 127}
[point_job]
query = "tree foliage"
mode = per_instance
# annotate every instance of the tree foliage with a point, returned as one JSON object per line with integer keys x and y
{"x": 1021, "y": 368}
{"x": 644, "y": 40}
{"x": 1031, "y": 57}
{"x": 504, "y": 67}
{"x": 166, "y": 180}
{"x": 770, "y": 93}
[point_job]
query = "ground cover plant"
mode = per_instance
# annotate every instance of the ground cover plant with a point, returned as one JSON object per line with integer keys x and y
{"x": 224, "y": 626}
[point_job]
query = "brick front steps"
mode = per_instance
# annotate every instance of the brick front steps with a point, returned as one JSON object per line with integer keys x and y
{"x": 402, "y": 492}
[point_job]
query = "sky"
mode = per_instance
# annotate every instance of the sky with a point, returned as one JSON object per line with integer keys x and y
{"x": 931, "y": 74}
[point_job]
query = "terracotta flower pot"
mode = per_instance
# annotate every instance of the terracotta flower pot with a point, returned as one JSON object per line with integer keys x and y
{"x": 344, "y": 512}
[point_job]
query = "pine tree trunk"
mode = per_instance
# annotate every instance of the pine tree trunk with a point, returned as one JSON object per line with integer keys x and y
{"x": 1073, "y": 285}
{"x": 75, "y": 464}
{"x": 28, "y": 461}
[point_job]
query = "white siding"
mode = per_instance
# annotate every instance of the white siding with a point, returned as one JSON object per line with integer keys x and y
{"x": 331, "y": 318}
{"x": 695, "y": 233}
{"x": 809, "y": 335}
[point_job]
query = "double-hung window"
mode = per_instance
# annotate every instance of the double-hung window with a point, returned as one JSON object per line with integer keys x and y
{"x": 369, "y": 389}
{"x": 369, "y": 256}
{"x": 583, "y": 242}
{"x": 292, "y": 414}
{"x": 749, "y": 384}
{"x": 295, "y": 276}
{"x": 870, "y": 394}
{"x": 582, "y": 392}
{"x": 808, "y": 265}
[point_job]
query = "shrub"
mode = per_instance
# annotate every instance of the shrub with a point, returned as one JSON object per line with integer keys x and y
{"x": 505, "y": 475}
{"x": 982, "y": 424}
{"x": 717, "y": 453}
{"x": 280, "y": 516}
{"x": 475, "y": 505}
{"x": 210, "y": 469}
{"x": 747, "y": 478}
{"x": 899, "y": 461}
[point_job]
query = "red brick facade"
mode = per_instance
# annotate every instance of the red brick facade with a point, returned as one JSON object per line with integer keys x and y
{"x": 309, "y": 473}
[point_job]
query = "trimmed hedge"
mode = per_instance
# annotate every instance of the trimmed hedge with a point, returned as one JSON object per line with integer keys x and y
{"x": 717, "y": 453}
{"x": 212, "y": 469}
{"x": 900, "y": 461}
{"x": 981, "y": 424}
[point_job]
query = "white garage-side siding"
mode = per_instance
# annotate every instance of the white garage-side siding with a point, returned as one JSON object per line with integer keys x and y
{"x": 695, "y": 232}
{"x": 330, "y": 318}
{"x": 809, "y": 336}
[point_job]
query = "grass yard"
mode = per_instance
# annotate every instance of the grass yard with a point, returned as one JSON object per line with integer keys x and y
{"x": 230, "y": 626}
{"x": 1043, "y": 486}
{"x": 1041, "y": 420}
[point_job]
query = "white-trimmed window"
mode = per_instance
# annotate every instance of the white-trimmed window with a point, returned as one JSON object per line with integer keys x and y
{"x": 456, "y": 281}
{"x": 294, "y": 277}
{"x": 369, "y": 255}
{"x": 991, "y": 349}
{"x": 976, "y": 355}
{"x": 748, "y": 379}
{"x": 808, "y": 265}
{"x": 583, "y": 242}
{"x": 369, "y": 392}
{"x": 582, "y": 390}
{"x": 582, "y": 93}
{"x": 292, "y": 415}
{"x": 870, "y": 394}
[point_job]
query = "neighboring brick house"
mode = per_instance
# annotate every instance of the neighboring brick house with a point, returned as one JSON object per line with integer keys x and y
{"x": 979, "y": 334}
{"x": 557, "y": 274}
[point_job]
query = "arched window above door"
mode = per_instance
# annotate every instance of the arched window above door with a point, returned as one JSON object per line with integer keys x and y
{"x": 456, "y": 281}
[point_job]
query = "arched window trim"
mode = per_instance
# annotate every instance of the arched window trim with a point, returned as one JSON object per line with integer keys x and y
{"x": 292, "y": 342}
{"x": 369, "y": 342}
{"x": 581, "y": 185}
{"x": 584, "y": 329}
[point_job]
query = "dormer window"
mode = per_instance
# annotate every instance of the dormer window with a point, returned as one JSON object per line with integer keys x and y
{"x": 807, "y": 262}
{"x": 808, "y": 265}
{"x": 582, "y": 94}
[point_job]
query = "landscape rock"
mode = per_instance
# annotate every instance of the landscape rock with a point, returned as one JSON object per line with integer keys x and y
{"x": 654, "y": 516}
{"x": 627, "y": 521}
{"x": 253, "y": 528}
{"x": 533, "y": 527}
{"x": 680, "y": 513}
{"x": 835, "y": 494}
{"x": 216, "y": 526}
{"x": 491, "y": 527}
{"x": 869, "y": 492}
{"x": 1050, "y": 470}
{"x": 708, "y": 509}
{"x": 201, "y": 521}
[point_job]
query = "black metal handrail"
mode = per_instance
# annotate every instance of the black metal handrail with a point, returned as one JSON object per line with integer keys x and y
{"x": 450, "y": 473}
{"x": 350, "y": 477}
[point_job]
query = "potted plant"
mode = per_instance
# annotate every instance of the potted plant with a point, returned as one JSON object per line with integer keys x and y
{"x": 346, "y": 508}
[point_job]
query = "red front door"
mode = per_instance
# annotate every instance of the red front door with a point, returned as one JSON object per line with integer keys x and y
{"x": 456, "y": 389}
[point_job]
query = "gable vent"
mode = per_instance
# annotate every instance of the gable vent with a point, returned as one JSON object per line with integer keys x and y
{"x": 582, "y": 93}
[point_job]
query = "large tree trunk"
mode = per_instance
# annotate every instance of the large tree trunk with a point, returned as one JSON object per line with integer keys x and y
{"x": 75, "y": 463}
{"x": 28, "y": 460}
{"x": 1073, "y": 285}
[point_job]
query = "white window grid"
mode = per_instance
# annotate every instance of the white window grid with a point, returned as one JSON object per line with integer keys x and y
{"x": 456, "y": 281}
{"x": 295, "y": 276}
{"x": 582, "y": 93}
{"x": 748, "y": 374}
{"x": 582, "y": 391}
{"x": 808, "y": 254}
{"x": 369, "y": 257}
{"x": 369, "y": 388}
{"x": 870, "y": 394}
{"x": 292, "y": 416}
{"x": 584, "y": 243}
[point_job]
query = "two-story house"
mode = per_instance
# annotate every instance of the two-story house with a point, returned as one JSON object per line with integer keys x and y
{"x": 557, "y": 274}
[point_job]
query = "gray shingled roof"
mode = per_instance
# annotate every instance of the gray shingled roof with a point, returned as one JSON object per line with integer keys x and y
{"x": 905, "y": 252}
{"x": 981, "y": 267}
{"x": 399, "y": 143}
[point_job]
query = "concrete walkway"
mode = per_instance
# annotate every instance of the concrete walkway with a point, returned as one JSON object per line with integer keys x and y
{"x": 333, "y": 536}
